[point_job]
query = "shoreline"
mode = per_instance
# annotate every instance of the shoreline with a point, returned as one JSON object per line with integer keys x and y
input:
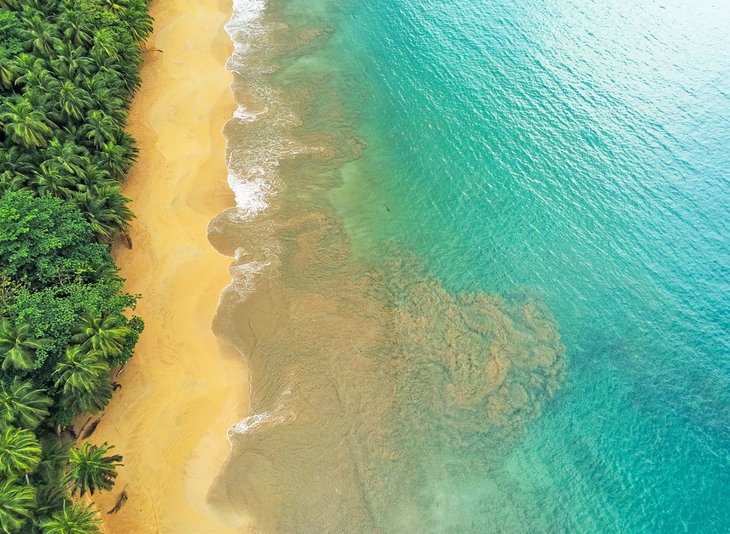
{"x": 183, "y": 388}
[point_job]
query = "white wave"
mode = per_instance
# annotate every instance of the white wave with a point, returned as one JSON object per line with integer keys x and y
{"x": 245, "y": 12}
{"x": 251, "y": 191}
{"x": 243, "y": 28}
{"x": 253, "y": 161}
{"x": 245, "y": 115}
{"x": 243, "y": 273}
{"x": 260, "y": 421}
{"x": 252, "y": 422}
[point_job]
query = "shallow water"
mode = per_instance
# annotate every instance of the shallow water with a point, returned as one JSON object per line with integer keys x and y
{"x": 481, "y": 266}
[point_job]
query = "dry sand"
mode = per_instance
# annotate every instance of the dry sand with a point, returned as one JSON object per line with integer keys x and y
{"x": 181, "y": 391}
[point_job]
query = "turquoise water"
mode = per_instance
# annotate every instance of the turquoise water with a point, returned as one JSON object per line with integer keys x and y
{"x": 580, "y": 150}
{"x": 571, "y": 152}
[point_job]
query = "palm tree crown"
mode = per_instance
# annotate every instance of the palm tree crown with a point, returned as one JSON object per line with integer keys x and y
{"x": 75, "y": 518}
{"x": 26, "y": 125}
{"x": 22, "y": 405}
{"x": 83, "y": 376}
{"x": 90, "y": 468}
{"x": 105, "y": 333}
{"x": 17, "y": 346}
{"x": 72, "y": 100}
{"x": 16, "y": 504}
{"x": 106, "y": 209}
{"x": 20, "y": 451}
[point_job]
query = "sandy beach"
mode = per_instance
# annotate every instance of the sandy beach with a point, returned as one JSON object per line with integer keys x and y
{"x": 181, "y": 391}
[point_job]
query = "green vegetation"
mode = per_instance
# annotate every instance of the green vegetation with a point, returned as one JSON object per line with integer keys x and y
{"x": 68, "y": 71}
{"x": 92, "y": 468}
{"x": 73, "y": 519}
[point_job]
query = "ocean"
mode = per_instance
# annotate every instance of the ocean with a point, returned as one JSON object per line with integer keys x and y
{"x": 481, "y": 268}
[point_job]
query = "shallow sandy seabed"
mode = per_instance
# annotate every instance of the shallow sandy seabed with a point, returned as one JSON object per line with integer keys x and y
{"x": 182, "y": 390}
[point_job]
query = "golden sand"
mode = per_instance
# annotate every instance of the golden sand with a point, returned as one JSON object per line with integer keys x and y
{"x": 181, "y": 391}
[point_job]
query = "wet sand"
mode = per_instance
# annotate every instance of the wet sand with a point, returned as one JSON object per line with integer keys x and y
{"x": 182, "y": 390}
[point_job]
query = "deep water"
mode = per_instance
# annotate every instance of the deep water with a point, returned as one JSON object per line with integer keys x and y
{"x": 449, "y": 185}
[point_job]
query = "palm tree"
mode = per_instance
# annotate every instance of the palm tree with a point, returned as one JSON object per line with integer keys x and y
{"x": 106, "y": 333}
{"x": 20, "y": 452}
{"x": 13, "y": 158}
{"x": 12, "y": 181}
{"x": 90, "y": 468}
{"x": 108, "y": 101}
{"x": 22, "y": 405}
{"x": 106, "y": 209}
{"x": 81, "y": 369}
{"x": 100, "y": 128}
{"x": 41, "y": 34}
{"x": 75, "y": 27}
{"x": 54, "y": 460}
{"x": 74, "y": 518}
{"x": 37, "y": 77}
{"x": 49, "y": 476}
{"x": 50, "y": 498}
{"x": 139, "y": 21}
{"x": 94, "y": 176}
{"x": 71, "y": 62}
{"x": 38, "y": 95}
{"x": 83, "y": 376}
{"x": 25, "y": 63}
{"x": 17, "y": 346}
{"x": 67, "y": 156}
{"x": 106, "y": 46}
{"x": 117, "y": 157}
{"x": 72, "y": 100}
{"x": 124, "y": 70}
{"x": 129, "y": 71}
{"x": 16, "y": 504}
{"x": 48, "y": 180}
{"x": 7, "y": 74}
{"x": 105, "y": 83}
{"x": 108, "y": 272}
{"x": 26, "y": 125}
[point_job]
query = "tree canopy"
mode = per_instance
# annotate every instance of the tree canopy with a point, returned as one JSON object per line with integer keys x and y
{"x": 68, "y": 71}
{"x": 44, "y": 240}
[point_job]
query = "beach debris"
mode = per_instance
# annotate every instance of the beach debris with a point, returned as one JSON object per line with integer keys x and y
{"x": 91, "y": 428}
{"x": 82, "y": 427}
{"x": 127, "y": 240}
{"x": 123, "y": 496}
{"x": 116, "y": 386}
